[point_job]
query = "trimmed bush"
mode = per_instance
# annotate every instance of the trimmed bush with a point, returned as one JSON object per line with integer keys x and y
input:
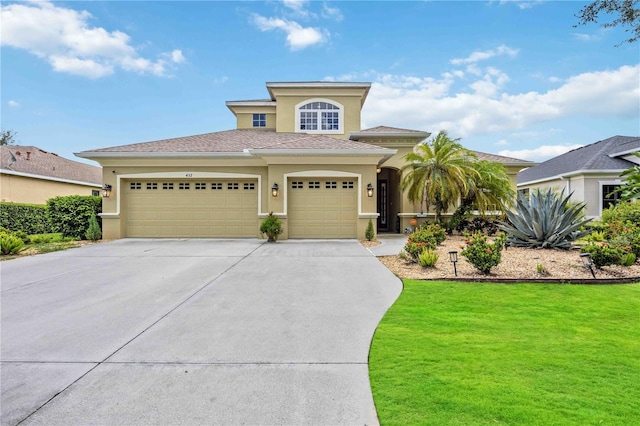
{"x": 422, "y": 239}
{"x": 604, "y": 254}
{"x": 70, "y": 215}
{"x": 93, "y": 233}
{"x": 369, "y": 233}
{"x": 482, "y": 254}
{"x": 271, "y": 227}
{"x": 28, "y": 218}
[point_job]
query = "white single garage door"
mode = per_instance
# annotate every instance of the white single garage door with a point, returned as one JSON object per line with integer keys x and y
{"x": 208, "y": 208}
{"x": 322, "y": 207}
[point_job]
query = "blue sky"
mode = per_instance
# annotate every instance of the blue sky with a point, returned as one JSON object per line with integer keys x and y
{"x": 507, "y": 77}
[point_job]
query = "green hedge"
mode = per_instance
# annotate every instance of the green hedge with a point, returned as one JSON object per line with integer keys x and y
{"x": 71, "y": 214}
{"x": 29, "y": 218}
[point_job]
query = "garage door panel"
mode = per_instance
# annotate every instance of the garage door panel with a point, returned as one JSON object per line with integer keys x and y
{"x": 202, "y": 208}
{"x": 322, "y": 208}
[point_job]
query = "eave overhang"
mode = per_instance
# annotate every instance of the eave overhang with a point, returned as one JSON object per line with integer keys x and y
{"x": 50, "y": 178}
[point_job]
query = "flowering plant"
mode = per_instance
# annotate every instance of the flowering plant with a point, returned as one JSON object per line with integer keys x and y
{"x": 482, "y": 254}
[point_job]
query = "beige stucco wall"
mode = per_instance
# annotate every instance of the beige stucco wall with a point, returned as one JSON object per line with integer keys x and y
{"x": 288, "y": 98}
{"x": 22, "y": 189}
{"x": 269, "y": 170}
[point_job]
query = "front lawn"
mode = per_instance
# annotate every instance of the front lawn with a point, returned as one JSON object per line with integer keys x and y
{"x": 491, "y": 354}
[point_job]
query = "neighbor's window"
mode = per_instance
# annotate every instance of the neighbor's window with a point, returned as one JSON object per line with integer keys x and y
{"x": 95, "y": 192}
{"x": 609, "y": 199}
{"x": 319, "y": 117}
{"x": 259, "y": 120}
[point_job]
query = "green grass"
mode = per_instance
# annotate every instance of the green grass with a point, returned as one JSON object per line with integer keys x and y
{"x": 44, "y": 243}
{"x": 492, "y": 354}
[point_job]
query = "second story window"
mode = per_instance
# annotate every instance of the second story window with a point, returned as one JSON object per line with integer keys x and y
{"x": 319, "y": 117}
{"x": 259, "y": 120}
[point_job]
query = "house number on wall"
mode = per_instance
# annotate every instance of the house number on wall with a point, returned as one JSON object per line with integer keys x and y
{"x": 189, "y": 175}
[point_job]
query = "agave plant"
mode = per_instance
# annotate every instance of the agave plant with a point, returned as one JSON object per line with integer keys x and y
{"x": 544, "y": 220}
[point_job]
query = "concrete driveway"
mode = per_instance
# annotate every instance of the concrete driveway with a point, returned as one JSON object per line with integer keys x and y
{"x": 192, "y": 332}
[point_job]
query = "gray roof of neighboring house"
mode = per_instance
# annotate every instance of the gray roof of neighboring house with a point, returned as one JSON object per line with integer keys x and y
{"x": 32, "y": 160}
{"x": 601, "y": 155}
{"x": 237, "y": 141}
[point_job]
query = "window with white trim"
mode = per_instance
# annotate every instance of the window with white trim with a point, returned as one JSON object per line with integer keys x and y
{"x": 319, "y": 116}
{"x": 259, "y": 120}
{"x": 609, "y": 198}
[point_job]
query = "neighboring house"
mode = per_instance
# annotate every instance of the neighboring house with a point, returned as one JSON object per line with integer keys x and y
{"x": 300, "y": 153}
{"x": 591, "y": 172}
{"x": 30, "y": 175}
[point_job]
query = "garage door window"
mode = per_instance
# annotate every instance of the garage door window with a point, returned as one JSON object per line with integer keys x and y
{"x": 232, "y": 186}
{"x": 152, "y": 185}
{"x": 183, "y": 185}
{"x": 167, "y": 185}
{"x": 347, "y": 185}
{"x": 297, "y": 185}
{"x": 330, "y": 185}
{"x": 249, "y": 186}
{"x": 314, "y": 185}
{"x": 216, "y": 186}
{"x": 200, "y": 186}
{"x": 135, "y": 185}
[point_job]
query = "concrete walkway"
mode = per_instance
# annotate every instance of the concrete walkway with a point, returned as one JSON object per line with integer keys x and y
{"x": 192, "y": 332}
{"x": 390, "y": 244}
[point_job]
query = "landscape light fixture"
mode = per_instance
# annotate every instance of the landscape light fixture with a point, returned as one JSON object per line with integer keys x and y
{"x": 106, "y": 190}
{"x": 370, "y": 190}
{"x": 453, "y": 258}
{"x": 274, "y": 190}
{"x": 588, "y": 263}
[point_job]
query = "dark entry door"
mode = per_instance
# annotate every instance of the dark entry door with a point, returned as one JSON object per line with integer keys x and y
{"x": 383, "y": 205}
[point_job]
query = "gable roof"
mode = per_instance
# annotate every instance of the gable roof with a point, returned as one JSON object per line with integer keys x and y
{"x": 239, "y": 142}
{"x": 604, "y": 155}
{"x": 35, "y": 162}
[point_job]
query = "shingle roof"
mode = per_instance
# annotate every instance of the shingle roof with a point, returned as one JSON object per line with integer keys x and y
{"x": 231, "y": 141}
{"x": 35, "y": 161}
{"x": 502, "y": 159}
{"x": 386, "y": 129}
{"x": 593, "y": 157}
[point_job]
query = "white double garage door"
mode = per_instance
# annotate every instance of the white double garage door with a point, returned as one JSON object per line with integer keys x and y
{"x": 228, "y": 208}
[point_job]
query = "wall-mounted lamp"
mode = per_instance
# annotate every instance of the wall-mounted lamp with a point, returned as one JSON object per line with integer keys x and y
{"x": 106, "y": 190}
{"x": 274, "y": 190}
{"x": 453, "y": 258}
{"x": 370, "y": 190}
{"x": 588, "y": 263}
{"x": 378, "y": 170}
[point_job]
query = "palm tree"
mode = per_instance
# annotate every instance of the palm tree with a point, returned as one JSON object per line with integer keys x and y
{"x": 490, "y": 187}
{"x": 438, "y": 172}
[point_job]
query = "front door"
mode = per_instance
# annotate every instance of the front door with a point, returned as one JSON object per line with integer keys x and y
{"x": 383, "y": 205}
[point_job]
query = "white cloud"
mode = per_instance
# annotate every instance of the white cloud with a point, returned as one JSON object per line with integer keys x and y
{"x": 65, "y": 38}
{"x": 331, "y": 12}
{"x": 585, "y": 37}
{"x": 522, "y": 4}
{"x": 298, "y": 37}
{"x": 431, "y": 104}
{"x": 502, "y": 142}
{"x": 483, "y": 55}
{"x": 295, "y": 5}
{"x": 13, "y": 104}
{"x": 540, "y": 153}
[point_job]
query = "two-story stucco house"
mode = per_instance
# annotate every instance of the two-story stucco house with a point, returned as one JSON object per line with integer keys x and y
{"x": 301, "y": 154}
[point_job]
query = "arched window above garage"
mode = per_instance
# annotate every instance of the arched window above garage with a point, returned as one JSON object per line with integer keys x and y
{"x": 319, "y": 116}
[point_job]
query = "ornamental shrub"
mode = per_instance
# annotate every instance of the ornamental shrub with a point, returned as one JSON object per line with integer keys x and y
{"x": 422, "y": 239}
{"x": 10, "y": 244}
{"x": 482, "y": 254}
{"x": 438, "y": 232}
{"x": 271, "y": 227}
{"x": 70, "y": 215}
{"x": 369, "y": 234}
{"x": 604, "y": 254}
{"x": 622, "y": 212}
{"x": 93, "y": 232}
{"x": 28, "y": 218}
{"x": 428, "y": 258}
